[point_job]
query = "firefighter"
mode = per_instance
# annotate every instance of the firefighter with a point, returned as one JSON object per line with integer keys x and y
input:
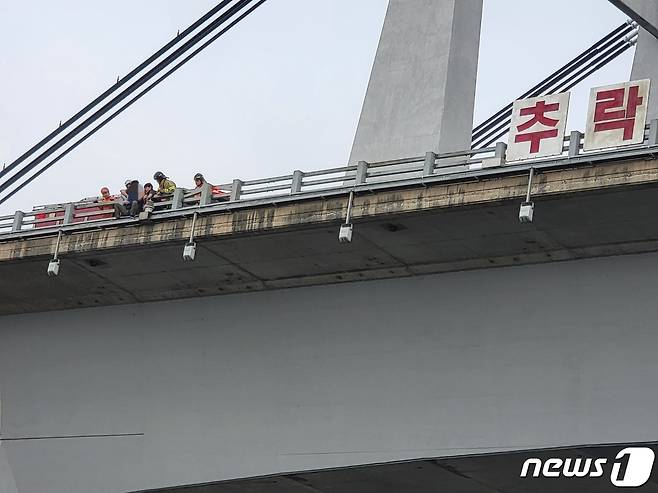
{"x": 165, "y": 185}
{"x": 199, "y": 180}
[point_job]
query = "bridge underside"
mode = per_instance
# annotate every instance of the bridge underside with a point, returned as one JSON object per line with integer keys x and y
{"x": 206, "y": 389}
{"x": 494, "y": 473}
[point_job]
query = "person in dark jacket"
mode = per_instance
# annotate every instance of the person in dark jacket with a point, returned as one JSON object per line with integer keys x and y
{"x": 132, "y": 205}
{"x": 148, "y": 195}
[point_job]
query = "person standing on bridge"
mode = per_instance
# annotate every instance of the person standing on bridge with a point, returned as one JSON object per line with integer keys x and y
{"x": 216, "y": 190}
{"x": 199, "y": 180}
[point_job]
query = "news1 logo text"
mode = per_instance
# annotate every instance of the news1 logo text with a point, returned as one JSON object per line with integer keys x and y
{"x": 631, "y": 467}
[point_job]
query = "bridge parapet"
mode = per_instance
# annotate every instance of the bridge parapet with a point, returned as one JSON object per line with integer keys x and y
{"x": 471, "y": 163}
{"x": 586, "y": 205}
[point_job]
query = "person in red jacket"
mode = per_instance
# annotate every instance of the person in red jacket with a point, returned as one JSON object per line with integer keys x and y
{"x": 105, "y": 195}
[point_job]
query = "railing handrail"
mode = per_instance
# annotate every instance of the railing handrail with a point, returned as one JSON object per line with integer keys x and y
{"x": 398, "y": 171}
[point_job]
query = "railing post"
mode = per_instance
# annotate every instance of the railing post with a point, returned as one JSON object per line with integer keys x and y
{"x": 498, "y": 159}
{"x": 69, "y": 213}
{"x": 236, "y": 190}
{"x": 501, "y": 151}
{"x": 653, "y": 133}
{"x": 361, "y": 173}
{"x": 206, "y": 194}
{"x": 18, "y": 221}
{"x": 297, "y": 178}
{"x": 177, "y": 198}
{"x": 430, "y": 162}
{"x": 574, "y": 143}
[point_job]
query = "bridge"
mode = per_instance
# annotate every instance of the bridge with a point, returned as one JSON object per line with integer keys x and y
{"x": 459, "y": 288}
{"x": 440, "y": 349}
{"x": 282, "y": 232}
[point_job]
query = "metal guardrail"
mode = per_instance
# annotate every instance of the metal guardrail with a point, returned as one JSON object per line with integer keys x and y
{"x": 471, "y": 162}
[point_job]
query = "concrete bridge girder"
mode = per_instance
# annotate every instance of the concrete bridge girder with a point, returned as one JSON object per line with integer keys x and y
{"x": 206, "y": 389}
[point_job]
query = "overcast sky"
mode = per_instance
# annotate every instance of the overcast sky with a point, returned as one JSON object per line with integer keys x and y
{"x": 282, "y": 91}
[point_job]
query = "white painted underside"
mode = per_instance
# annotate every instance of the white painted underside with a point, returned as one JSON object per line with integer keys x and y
{"x": 242, "y": 385}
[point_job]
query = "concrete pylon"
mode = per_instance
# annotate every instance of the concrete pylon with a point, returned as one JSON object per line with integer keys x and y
{"x": 421, "y": 92}
{"x": 7, "y": 482}
{"x": 645, "y": 67}
{"x": 645, "y": 13}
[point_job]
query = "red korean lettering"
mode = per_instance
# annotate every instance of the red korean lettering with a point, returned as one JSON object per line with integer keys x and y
{"x": 538, "y": 116}
{"x": 610, "y": 114}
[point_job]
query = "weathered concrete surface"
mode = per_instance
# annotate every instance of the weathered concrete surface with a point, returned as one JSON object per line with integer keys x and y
{"x": 206, "y": 389}
{"x": 581, "y": 212}
{"x": 421, "y": 92}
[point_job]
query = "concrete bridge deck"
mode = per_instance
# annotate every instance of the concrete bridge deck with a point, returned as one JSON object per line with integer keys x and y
{"x": 585, "y": 207}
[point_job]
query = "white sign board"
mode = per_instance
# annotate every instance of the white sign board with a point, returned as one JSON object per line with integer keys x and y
{"x": 538, "y": 126}
{"x": 617, "y": 115}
